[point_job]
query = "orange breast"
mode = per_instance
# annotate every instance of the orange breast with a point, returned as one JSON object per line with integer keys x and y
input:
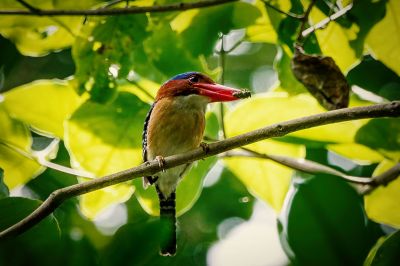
{"x": 173, "y": 129}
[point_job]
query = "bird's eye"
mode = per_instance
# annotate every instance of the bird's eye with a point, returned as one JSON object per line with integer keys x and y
{"x": 194, "y": 79}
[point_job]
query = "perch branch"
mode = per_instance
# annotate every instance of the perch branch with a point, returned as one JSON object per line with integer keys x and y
{"x": 57, "y": 197}
{"x": 33, "y": 11}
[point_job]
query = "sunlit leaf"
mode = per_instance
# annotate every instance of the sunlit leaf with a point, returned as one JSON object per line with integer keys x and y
{"x": 324, "y": 213}
{"x": 37, "y": 36}
{"x": 43, "y": 104}
{"x": 381, "y": 134}
{"x": 374, "y": 76}
{"x": 382, "y": 204}
{"x": 14, "y": 137}
{"x": 384, "y": 37}
{"x": 104, "y": 139}
{"x": 385, "y": 252}
{"x": 357, "y": 152}
{"x": 201, "y": 34}
{"x": 261, "y": 30}
{"x": 334, "y": 41}
{"x": 266, "y": 179}
{"x": 270, "y": 108}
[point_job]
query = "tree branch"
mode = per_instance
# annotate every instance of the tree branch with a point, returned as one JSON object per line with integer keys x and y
{"x": 304, "y": 21}
{"x": 33, "y": 11}
{"x": 391, "y": 109}
{"x": 302, "y": 165}
{"x": 289, "y": 14}
{"x": 381, "y": 180}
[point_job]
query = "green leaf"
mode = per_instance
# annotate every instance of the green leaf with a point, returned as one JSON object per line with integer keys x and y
{"x": 269, "y": 108}
{"x": 359, "y": 153}
{"x": 265, "y": 179}
{"x": 382, "y": 134}
{"x": 201, "y": 34}
{"x": 187, "y": 193}
{"x": 15, "y": 140}
{"x": 37, "y": 36}
{"x": 139, "y": 242}
{"x": 105, "y": 139}
{"x": 262, "y": 29}
{"x": 375, "y": 77}
{"x": 167, "y": 51}
{"x": 43, "y": 104}
{"x": 4, "y": 192}
{"x": 288, "y": 81}
{"x": 334, "y": 41}
{"x": 384, "y": 37}
{"x": 324, "y": 213}
{"x": 365, "y": 14}
{"x": 382, "y": 204}
{"x": 385, "y": 252}
{"x": 14, "y": 209}
{"x": 108, "y": 49}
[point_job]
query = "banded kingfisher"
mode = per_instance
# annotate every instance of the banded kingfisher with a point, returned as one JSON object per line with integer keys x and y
{"x": 175, "y": 124}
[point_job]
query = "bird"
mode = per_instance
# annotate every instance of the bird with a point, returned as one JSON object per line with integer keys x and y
{"x": 175, "y": 124}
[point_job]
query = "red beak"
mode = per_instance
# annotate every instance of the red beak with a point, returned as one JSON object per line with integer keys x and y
{"x": 217, "y": 92}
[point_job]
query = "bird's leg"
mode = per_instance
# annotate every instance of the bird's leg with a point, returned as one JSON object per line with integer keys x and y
{"x": 161, "y": 162}
{"x": 205, "y": 147}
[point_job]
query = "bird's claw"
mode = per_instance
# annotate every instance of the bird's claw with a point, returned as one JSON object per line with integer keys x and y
{"x": 161, "y": 162}
{"x": 205, "y": 147}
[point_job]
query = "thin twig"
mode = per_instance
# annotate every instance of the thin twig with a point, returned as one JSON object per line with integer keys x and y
{"x": 323, "y": 23}
{"x": 381, "y": 180}
{"x": 391, "y": 109}
{"x": 43, "y": 162}
{"x": 222, "y": 55}
{"x": 301, "y": 164}
{"x": 304, "y": 21}
{"x": 289, "y": 14}
{"x": 32, "y": 11}
{"x": 140, "y": 87}
{"x": 31, "y": 8}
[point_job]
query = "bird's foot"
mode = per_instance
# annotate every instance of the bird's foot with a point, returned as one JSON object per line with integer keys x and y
{"x": 205, "y": 147}
{"x": 161, "y": 162}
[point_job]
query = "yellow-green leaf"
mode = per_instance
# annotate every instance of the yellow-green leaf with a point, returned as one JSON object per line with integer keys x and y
{"x": 384, "y": 37}
{"x": 266, "y": 179}
{"x": 383, "y": 204}
{"x": 357, "y": 152}
{"x": 43, "y": 104}
{"x": 14, "y": 137}
{"x": 262, "y": 30}
{"x": 334, "y": 41}
{"x": 269, "y": 108}
{"x": 105, "y": 139}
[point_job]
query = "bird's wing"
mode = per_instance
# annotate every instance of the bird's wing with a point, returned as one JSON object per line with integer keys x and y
{"x": 147, "y": 180}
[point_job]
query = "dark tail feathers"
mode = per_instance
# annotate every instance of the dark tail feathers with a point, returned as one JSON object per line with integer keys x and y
{"x": 168, "y": 221}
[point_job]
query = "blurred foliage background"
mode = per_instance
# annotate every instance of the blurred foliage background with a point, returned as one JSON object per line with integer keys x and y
{"x": 74, "y": 94}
